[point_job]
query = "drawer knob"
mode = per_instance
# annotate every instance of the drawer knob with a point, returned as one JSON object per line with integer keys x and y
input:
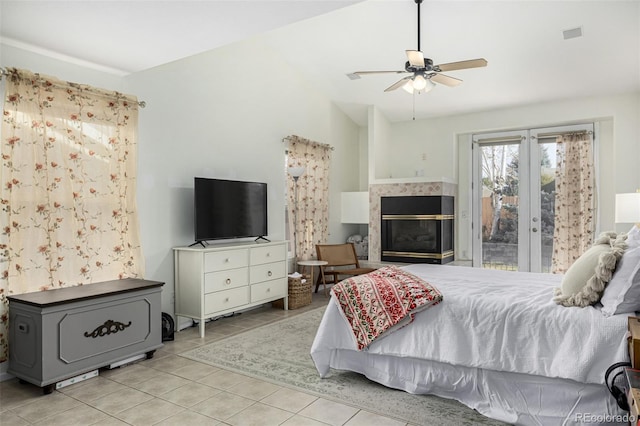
{"x": 227, "y": 281}
{"x": 226, "y": 260}
{"x": 269, "y": 290}
{"x": 226, "y": 299}
{"x": 269, "y": 273}
{"x": 268, "y": 254}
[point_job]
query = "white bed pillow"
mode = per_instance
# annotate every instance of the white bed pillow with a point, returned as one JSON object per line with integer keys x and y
{"x": 585, "y": 280}
{"x": 622, "y": 294}
{"x": 633, "y": 237}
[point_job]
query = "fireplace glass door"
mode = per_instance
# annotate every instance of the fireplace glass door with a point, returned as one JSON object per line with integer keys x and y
{"x": 414, "y": 237}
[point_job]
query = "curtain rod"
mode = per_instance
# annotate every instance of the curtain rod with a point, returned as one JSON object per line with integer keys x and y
{"x": 4, "y": 73}
{"x": 324, "y": 144}
{"x": 499, "y": 140}
{"x": 555, "y": 135}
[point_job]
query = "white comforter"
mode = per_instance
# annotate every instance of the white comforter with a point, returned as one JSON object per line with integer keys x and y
{"x": 496, "y": 320}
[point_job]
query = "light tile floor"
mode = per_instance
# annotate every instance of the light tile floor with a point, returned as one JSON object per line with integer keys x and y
{"x": 171, "y": 390}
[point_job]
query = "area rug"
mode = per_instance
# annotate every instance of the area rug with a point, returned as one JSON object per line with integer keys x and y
{"x": 279, "y": 353}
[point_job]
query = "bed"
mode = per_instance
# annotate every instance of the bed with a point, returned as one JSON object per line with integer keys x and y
{"x": 497, "y": 343}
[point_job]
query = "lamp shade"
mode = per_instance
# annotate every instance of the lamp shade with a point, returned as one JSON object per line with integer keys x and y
{"x": 354, "y": 207}
{"x": 628, "y": 208}
{"x": 296, "y": 172}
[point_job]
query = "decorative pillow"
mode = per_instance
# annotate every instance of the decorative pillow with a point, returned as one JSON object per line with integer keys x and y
{"x": 633, "y": 237}
{"x": 584, "y": 281}
{"x": 383, "y": 301}
{"x": 622, "y": 294}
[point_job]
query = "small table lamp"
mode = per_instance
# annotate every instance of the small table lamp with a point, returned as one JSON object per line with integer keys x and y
{"x": 628, "y": 208}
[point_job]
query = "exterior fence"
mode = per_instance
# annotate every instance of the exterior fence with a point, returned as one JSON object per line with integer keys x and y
{"x": 504, "y": 256}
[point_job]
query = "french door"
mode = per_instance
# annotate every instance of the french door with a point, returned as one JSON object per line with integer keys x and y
{"x": 514, "y": 198}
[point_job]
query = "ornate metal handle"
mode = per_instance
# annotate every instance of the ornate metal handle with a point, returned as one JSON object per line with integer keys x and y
{"x": 109, "y": 327}
{"x": 269, "y": 273}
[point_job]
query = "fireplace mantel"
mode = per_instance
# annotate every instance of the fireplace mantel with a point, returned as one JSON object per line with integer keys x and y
{"x": 377, "y": 191}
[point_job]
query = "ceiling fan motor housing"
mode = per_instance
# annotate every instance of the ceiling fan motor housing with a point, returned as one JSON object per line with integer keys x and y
{"x": 428, "y": 66}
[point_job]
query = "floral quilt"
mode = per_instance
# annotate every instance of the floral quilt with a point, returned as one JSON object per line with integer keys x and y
{"x": 382, "y": 301}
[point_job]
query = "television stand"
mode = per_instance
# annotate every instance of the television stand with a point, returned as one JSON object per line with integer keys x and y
{"x": 262, "y": 238}
{"x": 198, "y": 242}
{"x": 225, "y": 278}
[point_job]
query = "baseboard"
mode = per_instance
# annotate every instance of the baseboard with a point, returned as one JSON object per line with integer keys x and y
{"x": 183, "y": 323}
{"x": 3, "y": 372}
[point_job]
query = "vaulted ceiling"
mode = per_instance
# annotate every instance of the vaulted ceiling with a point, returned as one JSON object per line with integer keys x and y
{"x": 529, "y": 59}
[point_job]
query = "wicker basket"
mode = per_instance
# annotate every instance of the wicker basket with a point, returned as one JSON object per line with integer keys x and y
{"x": 299, "y": 293}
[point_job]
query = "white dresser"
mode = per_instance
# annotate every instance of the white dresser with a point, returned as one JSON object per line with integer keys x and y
{"x": 223, "y": 278}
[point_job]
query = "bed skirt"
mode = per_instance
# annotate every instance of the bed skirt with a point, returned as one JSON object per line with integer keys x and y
{"x": 510, "y": 397}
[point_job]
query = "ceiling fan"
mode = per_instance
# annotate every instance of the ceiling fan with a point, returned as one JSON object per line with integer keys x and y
{"x": 424, "y": 74}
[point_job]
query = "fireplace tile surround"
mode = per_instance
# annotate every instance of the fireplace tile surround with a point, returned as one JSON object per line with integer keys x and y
{"x": 377, "y": 191}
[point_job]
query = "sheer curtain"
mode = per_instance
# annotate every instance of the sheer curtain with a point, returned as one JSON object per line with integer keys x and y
{"x": 68, "y": 191}
{"x": 312, "y": 205}
{"x": 575, "y": 200}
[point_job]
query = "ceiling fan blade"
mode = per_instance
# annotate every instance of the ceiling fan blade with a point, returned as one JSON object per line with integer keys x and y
{"x": 446, "y": 80}
{"x": 452, "y": 66}
{"x": 416, "y": 58}
{"x": 398, "y": 84}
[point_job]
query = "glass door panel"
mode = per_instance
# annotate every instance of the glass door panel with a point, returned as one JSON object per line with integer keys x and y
{"x": 500, "y": 204}
{"x": 547, "y": 190}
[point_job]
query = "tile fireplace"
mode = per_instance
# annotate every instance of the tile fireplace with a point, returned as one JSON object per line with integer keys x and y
{"x": 417, "y": 229}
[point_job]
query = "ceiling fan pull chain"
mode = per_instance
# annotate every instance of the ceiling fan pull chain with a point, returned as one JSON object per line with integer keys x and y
{"x": 414, "y": 105}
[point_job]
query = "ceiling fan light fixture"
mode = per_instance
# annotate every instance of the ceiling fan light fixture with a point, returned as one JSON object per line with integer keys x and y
{"x": 428, "y": 86}
{"x": 419, "y": 82}
{"x": 408, "y": 87}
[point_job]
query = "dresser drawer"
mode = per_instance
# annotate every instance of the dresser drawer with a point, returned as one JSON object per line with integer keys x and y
{"x": 267, "y": 254}
{"x": 223, "y": 260}
{"x": 266, "y": 272}
{"x": 225, "y": 280}
{"x": 224, "y": 300}
{"x": 269, "y": 290}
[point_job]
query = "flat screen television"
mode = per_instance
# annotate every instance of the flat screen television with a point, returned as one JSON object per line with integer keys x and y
{"x": 227, "y": 209}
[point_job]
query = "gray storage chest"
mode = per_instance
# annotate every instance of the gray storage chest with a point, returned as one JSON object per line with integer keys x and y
{"x": 58, "y": 334}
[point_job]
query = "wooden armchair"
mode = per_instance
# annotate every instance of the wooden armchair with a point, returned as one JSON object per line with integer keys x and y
{"x": 342, "y": 260}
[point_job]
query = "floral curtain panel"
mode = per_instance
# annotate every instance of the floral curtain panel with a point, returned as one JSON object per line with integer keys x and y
{"x": 312, "y": 205}
{"x": 68, "y": 191}
{"x": 575, "y": 200}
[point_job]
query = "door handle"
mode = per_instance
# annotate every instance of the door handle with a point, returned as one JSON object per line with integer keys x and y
{"x": 534, "y": 229}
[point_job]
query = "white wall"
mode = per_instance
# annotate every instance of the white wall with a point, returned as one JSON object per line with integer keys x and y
{"x": 18, "y": 58}
{"x": 378, "y": 146}
{"x": 211, "y": 115}
{"x": 446, "y": 142}
{"x": 363, "y": 137}
{"x": 422, "y": 148}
